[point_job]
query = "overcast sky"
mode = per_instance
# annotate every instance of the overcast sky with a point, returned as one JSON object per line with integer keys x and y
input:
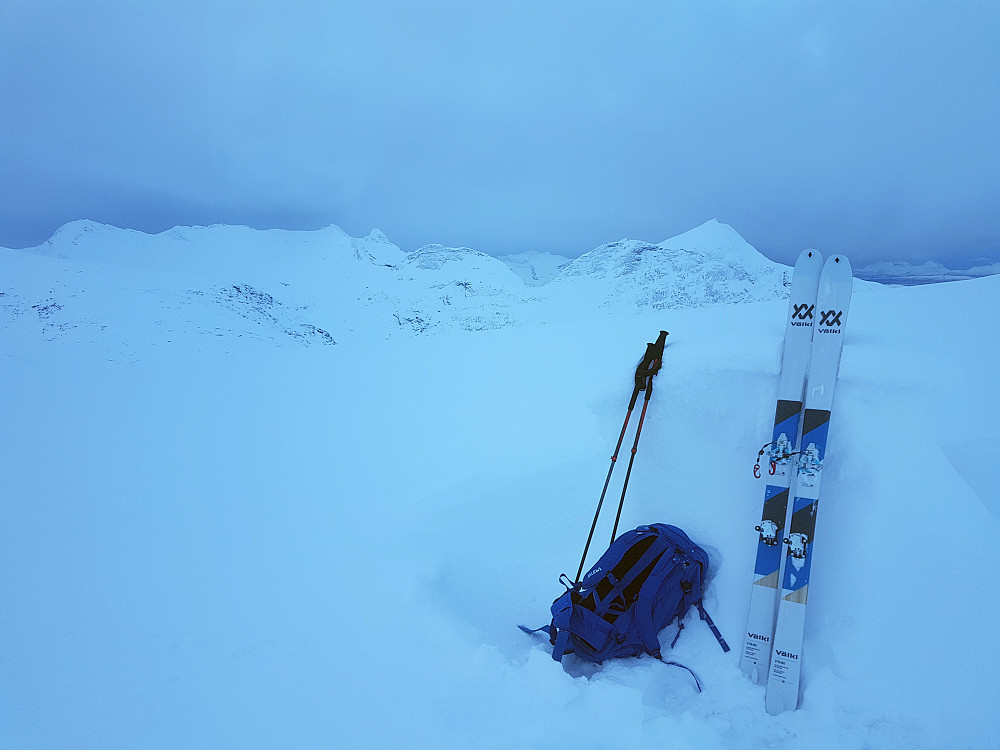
{"x": 861, "y": 127}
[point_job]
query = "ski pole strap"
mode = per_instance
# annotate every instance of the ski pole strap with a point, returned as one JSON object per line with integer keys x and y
{"x": 715, "y": 631}
{"x": 642, "y": 370}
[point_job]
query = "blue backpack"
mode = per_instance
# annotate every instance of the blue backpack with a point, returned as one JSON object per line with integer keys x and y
{"x": 648, "y": 578}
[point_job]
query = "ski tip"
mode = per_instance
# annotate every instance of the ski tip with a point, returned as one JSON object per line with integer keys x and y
{"x": 837, "y": 267}
{"x": 810, "y": 256}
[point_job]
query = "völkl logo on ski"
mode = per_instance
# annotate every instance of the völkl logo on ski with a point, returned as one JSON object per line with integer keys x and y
{"x": 830, "y": 318}
{"x": 803, "y": 312}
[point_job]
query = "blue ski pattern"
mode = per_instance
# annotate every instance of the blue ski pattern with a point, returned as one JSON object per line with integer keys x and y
{"x": 801, "y": 529}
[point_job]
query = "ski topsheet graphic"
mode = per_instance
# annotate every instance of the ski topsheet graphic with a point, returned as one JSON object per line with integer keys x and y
{"x": 832, "y": 303}
{"x": 794, "y": 360}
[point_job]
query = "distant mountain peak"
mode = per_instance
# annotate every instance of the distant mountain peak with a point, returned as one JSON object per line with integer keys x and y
{"x": 712, "y": 235}
{"x": 74, "y": 233}
{"x": 709, "y": 264}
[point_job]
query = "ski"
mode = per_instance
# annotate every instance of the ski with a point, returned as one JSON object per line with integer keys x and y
{"x": 794, "y": 359}
{"x": 832, "y": 302}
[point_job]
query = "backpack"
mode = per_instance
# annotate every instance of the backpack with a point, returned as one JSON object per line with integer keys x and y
{"x": 648, "y": 577}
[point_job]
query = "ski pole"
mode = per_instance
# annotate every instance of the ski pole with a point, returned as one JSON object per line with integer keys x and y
{"x": 628, "y": 472}
{"x": 649, "y": 366}
{"x": 607, "y": 481}
{"x": 644, "y": 372}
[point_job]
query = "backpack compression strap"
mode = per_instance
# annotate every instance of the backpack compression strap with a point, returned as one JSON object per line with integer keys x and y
{"x": 715, "y": 630}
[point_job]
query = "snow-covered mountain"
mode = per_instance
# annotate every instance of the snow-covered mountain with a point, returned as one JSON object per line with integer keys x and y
{"x": 321, "y": 287}
{"x": 287, "y": 287}
{"x": 901, "y": 273}
{"x": 710, "y": 264}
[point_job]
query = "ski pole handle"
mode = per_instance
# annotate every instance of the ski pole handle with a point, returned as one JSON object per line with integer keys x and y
{"x": 651, "y": 361}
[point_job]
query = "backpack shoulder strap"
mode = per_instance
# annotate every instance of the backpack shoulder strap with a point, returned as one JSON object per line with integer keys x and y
{"x": 645, "y": 627}
{"x": 654, "y": 552}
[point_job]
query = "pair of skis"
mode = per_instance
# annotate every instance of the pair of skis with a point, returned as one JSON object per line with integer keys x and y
{"x": 814, "y": 336}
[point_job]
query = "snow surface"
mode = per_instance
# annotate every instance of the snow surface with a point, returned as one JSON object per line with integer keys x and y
{"x": 286, "y": 489}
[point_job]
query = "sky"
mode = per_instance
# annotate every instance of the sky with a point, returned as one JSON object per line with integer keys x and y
{"x": 866, "y": 128}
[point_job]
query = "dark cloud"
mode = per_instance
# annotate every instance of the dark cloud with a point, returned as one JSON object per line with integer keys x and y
{"x": 866, "y": 128}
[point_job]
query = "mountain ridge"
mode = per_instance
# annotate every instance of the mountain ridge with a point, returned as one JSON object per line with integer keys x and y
{"x": 324, "y": 286}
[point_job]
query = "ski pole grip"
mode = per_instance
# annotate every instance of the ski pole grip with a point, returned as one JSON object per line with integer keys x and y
{"x": 650, "y": 364}
{"x": 643, "y": 368}
{"x": 648, "y": 367}
{"x": 661, "y": 340}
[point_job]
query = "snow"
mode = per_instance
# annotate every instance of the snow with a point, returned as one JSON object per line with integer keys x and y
{"x": 535, "y": 268}
{"x": 222, "y": 529}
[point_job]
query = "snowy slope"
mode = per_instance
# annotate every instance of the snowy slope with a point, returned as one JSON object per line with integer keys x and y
{"x": 459, "y": 285}
{"x": 535, "y": 268}
{"x": 216, "y": 536}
